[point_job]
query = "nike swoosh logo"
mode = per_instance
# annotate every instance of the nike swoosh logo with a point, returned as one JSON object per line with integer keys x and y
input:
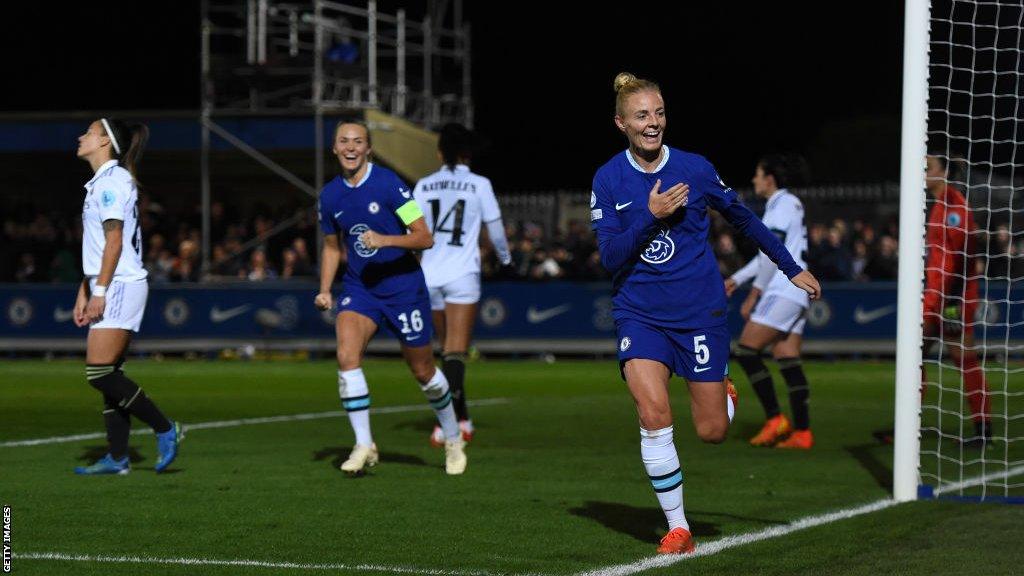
{"x": 411, "y": 338}
{"x": 534, "y": 316}
{"x": 62, "y": 315}
{"x": 621, "y": 206}
{"x": 217, "y": 315}
{"x": 702, "y": 369}
{"x": 861, "y": 316}
{"x": 338, "y": 213}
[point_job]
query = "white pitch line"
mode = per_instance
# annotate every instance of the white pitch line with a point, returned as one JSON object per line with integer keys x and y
{"x": 978, "y": 480}
{"x": 247, "y": 563}
{"x": 245, "y": 422}
{"x": 728, "y": 542}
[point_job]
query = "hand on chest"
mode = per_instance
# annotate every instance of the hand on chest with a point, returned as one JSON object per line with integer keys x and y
{"x": 632, "y": 200}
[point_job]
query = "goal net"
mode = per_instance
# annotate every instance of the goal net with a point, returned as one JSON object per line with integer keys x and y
{"x": 971, "y": 429}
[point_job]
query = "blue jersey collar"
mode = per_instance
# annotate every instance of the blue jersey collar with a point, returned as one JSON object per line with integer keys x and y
{"x": 664, "y": 160}
{"x": 369, "y": 170}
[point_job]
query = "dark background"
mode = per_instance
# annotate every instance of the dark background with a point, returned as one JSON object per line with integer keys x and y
{"x": 740, "y": 79}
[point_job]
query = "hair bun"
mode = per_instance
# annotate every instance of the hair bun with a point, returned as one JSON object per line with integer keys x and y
{"x": 623, "y": 79}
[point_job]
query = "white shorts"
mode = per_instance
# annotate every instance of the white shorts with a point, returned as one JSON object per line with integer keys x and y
{"x": 463, "y": 290}
{"x": 780, "y": 313}
{"x": 126, "y": 302}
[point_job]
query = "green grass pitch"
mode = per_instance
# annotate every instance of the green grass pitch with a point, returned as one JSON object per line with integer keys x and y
{"x": 554, "y": 485}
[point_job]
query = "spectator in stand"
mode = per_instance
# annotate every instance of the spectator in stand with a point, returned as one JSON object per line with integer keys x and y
{"x": 259, "y": 269}
{"x": 163, "y": 264}
{"x": 27, "y": 270}
{"x": 522, "y": 257}
{"x": 868, "y": 236}
{"x": 186, "y": 265}
{"x": 290, "y": 265}
{"x": 859, "y": 261}
{"x": 303, "y": 264}
{"x": 223, "y": 264}
{"x": 544, "y": 267}
{"x": 835, "y": 261}
{"x": 884, "y": 264}
{"x": 729, "y": 259}
{"x": 815, "y": 247}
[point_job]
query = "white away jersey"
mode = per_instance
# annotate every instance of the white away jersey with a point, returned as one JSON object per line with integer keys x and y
{"x": 454, "y": 203}
{"x": 111, "y": 195}
{"x": 784, "y": 216}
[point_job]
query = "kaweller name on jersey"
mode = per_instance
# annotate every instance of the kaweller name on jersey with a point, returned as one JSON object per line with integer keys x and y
{"x": 454, "y": 185}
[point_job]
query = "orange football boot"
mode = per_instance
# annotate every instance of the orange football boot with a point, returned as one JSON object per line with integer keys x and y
{"x": 677, "y": 541}
{"x": 799, "y": 439}
{"x": 776, "y": 427}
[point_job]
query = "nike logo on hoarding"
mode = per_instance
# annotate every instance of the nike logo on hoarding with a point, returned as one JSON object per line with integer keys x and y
{"x": 217, "y": 315}
{"x": 621, "y": 206}
{"x": 62, "y": 315}
{"x": 861, "y": 316}
{"x": 702, "y": 369}
{"x": 535, "y": 316}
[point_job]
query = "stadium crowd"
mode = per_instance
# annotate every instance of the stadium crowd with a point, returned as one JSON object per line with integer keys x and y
{"x": 43, "y": 245}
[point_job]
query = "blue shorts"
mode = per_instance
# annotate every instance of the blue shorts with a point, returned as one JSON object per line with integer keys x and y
{"x": 700, "y": 355}
{"x": 409, "y": 320}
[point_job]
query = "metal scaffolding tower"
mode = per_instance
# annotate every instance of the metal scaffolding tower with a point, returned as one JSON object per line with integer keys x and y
{"x": 314, "y": 58}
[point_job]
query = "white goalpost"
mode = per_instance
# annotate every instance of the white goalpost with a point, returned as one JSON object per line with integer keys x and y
{"x": 959, "y": 432}
{"x": 906, "y": 442}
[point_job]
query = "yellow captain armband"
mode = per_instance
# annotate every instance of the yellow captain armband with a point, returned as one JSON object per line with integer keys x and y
{"x": 409, "y": 212}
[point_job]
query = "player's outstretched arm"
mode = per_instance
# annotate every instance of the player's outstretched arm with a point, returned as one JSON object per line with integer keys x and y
{"x": 808, "y": 283}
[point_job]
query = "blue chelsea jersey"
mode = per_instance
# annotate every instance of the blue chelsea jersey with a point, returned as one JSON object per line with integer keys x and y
{"x": 383, "y": 203}
{"x": 664, "y": 271}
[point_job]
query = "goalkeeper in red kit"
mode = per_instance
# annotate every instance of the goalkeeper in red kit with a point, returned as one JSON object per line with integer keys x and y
{"x": 951, "y": 290}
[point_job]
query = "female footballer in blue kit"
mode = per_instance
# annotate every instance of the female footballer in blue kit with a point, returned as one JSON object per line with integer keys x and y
{"x": 668, "y": 298}
{"x": 371, "y": 210}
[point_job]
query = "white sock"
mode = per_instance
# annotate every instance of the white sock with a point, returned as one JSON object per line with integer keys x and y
{"x": 662, "y": 464}
{"x": 436, "y": 391}
{"x": 730, "y": 407}
{"x": 355, "y": 398}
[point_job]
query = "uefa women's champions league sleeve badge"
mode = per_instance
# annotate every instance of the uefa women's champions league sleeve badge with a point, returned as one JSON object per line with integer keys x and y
{"x": 107, "y": 198}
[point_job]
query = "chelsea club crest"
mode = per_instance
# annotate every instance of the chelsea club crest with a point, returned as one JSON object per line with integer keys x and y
{"x": 660, "y": 250}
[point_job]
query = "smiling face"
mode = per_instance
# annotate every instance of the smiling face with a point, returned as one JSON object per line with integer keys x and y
{"x": 642, "y": 120}
{"x": 352, "y": 147}
{"x": 94, "y": 141}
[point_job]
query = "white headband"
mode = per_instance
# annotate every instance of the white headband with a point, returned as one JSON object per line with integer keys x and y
{"x": 110, "y": 134}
